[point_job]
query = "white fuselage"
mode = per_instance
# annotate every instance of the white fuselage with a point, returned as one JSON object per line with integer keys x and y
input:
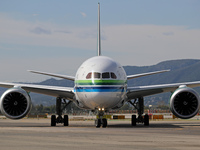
{"x": 100, "y": 83}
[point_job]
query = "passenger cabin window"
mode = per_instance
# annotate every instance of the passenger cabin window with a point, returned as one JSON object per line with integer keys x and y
{"x": 105, "y": 75}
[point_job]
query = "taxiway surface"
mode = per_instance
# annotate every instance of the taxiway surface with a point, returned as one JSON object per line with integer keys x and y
{"x": 32, "y": 134}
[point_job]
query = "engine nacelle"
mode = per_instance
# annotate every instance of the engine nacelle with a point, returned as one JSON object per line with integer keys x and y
{"x": 15, "y": 103}
{"x": 185, "y": 102}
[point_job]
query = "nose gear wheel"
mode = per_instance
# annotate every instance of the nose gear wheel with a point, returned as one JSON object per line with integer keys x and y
{"x": 101, "y": 121}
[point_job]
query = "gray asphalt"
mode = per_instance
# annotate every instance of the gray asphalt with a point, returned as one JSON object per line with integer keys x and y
{"x": 32, "y": 134}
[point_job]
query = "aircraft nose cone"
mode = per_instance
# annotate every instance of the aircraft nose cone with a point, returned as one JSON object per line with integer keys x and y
{"x": 101, "y": 99}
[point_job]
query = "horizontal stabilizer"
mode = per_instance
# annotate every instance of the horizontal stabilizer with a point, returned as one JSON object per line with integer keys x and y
{"x": 145, "y": 74}
{"x": 54, "y": 75}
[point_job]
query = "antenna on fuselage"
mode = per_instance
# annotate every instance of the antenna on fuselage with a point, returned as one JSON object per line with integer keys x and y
{"x": 99, "y": 32}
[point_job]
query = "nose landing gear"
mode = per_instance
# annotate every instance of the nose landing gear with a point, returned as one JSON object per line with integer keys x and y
{"x": 100, "y": 121}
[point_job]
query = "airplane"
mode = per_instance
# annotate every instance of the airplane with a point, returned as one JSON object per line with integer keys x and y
{"x": 100, "y": 84}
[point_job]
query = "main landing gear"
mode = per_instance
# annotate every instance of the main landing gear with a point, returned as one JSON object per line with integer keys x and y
{"x": 59, "y": 111}
{"x": 139, "y": 105}
{"x": 100, "y": 121}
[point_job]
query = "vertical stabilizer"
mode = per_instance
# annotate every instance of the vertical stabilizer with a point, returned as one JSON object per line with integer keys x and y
{"x": 99, "y": 32}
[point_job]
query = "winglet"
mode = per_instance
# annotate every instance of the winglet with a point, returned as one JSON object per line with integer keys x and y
{"x": 99, "y": 33}
{"x": 145, "y": 74}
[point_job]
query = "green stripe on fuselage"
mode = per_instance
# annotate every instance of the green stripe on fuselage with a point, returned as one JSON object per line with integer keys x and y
{"x": 100, "y": 82}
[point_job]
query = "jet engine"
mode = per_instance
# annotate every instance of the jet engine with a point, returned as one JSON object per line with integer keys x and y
{"x": 185, "y": 102}
{"x": 15, "y": 103}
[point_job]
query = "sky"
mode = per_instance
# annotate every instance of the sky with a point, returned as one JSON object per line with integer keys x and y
{"x": 58, "y": 36}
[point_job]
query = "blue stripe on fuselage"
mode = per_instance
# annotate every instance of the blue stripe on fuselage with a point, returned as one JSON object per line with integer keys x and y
{"x": 99, "y": 89}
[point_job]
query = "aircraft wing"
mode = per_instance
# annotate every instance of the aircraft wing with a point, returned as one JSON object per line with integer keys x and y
{"x": 55, "y": 91}
{"x": 54, "y": 75}
{"x": 141, "y": 91}
{"x": 145, "y": 74}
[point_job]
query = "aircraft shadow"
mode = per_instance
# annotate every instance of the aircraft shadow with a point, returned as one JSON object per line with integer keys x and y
{"x": 158, "y": 125}
{"x": 142, "y": 126}
{"x": 110, "y": 125}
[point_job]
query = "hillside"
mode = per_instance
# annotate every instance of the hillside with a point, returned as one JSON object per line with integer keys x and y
{"x": 181, "y": 71}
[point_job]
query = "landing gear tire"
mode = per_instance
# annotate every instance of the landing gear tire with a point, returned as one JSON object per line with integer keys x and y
{"x": 146, "y": 120}
{"x": 98, "y": 123}
{"x": 134, "y": 120}
{"x": 139, "y": 105}
{"x": 53, "y": 120}
{"x": 59, "y": 110}
{"x": 66, "y": 122}
{"x": 104, "y": 123}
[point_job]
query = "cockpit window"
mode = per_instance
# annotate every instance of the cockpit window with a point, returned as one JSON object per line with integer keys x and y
{"x": 105, "y": 75}
{"x": 113, "y": 75}
{"x": 89, "y": 75}
{"x": 96, "y": 75}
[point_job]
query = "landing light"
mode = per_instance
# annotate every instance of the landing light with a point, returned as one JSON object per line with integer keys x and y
{"x": 101, "y": 109}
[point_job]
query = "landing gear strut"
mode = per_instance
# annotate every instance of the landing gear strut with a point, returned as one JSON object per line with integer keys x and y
{"x": 101, "y": 121}
{"x": 59, "y": 111}
{"x": 139, "y": 105}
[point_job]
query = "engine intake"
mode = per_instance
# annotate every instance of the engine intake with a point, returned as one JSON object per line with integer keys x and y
{"x": 185, "y": 103}
{"x": 15, "y": 103}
